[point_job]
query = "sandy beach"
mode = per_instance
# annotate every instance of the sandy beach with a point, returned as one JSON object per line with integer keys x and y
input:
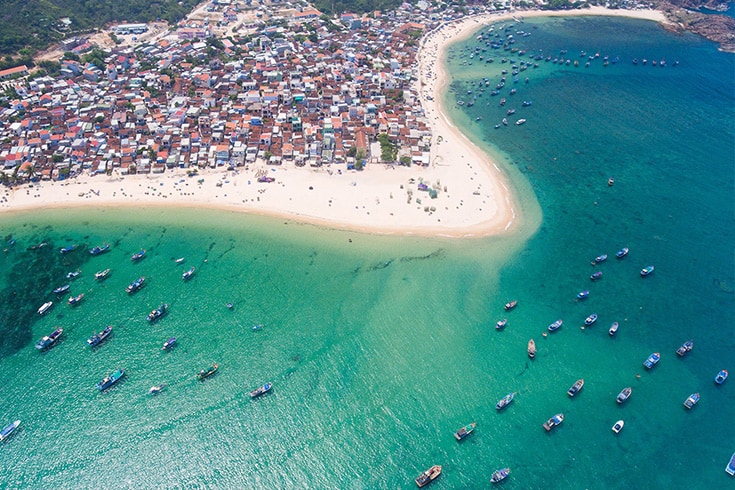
{"x": 473, "y": 197}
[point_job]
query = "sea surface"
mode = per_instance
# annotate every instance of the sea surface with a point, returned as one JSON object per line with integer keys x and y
{"x": 379, "y": 348}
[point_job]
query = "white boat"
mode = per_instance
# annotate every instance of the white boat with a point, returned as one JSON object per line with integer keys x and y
{"x": 618, "y": 426}
{"x": 8, "y": 430}
{"x": 613, "y": 328}
{"x": 520, "y": 121}
{"x": 45, "y": 307}
{"x": 156, "y": 389}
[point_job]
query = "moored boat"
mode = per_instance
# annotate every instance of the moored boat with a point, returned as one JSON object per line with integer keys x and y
{"x": 610, "y": 181}
{"x": 576, "y": 387}
{"x": 73, "y": 274}
{"x": 157, "y": 313}
{"x": 555, "y": 326}
{"x": 75, "y": 300}
{"x": 110, "y": 380}
{"x": 510, "y": 305}
{"x": 138, "y": 255}
{"x": 100, "y": 249}
{"x": 499, "y": 475}
{"x": 66, "y": 250}
{"x": 187, "y": 275}
{"x": 730, "y": 468}
{"x": 554, "y": 421}
{"x": 49, "y": 340}
{"x": 501, "y": 324}
{"x": 691, "y": 400}
{"x": 624, "y": 395}
{"x": 622, "y": 252}
{"x": 180, "y": 260}
{"x": 613, "y": 328}
{"x": 62, "y": 289}
{"x": 505, "y": 401}
{"x": 520, "y": 121}
{"x": 647, "y": 270}
{"x": 583, "y": 294}
{"x": 102, "y": 274}
{"x": 135, "y": 285}
{"x": 45, "y": 307}
{"x": 685, "y": 348}
{"x": 156, "y": 389}
{"x": 261, "y": 390}
{"x": 98, "y": 338}
{"x": 465, "y": 431}
{"x": 205, "y": 373}
{"x": 721, "y": 377}
{"x": 652, "y": 360}
{"x": 8, "y": 430}
{"x": 428, "y": 476}
{"x": 531, "y": 348}
{"x": 169, "y": 343}
{"x": 596, "y": 276}
{"x": 618, "y": 426}
{"x": 590, "y": 319}
{"x": 599, "y": 259}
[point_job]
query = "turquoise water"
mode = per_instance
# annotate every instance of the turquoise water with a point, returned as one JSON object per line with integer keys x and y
{"x": 379, "y": 348}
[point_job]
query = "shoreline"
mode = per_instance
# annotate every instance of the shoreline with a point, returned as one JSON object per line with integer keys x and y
{"x": 474, "y": 197}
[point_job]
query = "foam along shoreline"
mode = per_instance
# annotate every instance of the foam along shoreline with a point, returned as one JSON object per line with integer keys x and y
{"x": 473, "y": 196}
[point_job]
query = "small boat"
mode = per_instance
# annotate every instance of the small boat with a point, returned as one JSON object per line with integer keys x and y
{"x": 510, "y": 305}
{"x": 428, "y": 476}
{"x": 180, "y": 260}
{"x": 169, "y": 343}
{"x": 157, "y": 313}
{"x": 590, "y": 319}
{"x": 62, "y": 289}
{"x": 531, "y": 349}
{"x": 465, "y": 431}
{"x": 583, "y": 294}
{"x": 501, "y": 324}
{"x": 135, "y": 285}
{"x": 520, "y": 121}
{"x": 49, "y": 340}
{"x": 691, "y": 400}
{"x": 66, "y": 250}
{"x": 156, "y": 389}
{"x": 555, "y": 326}
{"x": 256, "y": 327}
{"x": 75, "y": 300}
{"x": 8, "y": 430}
{"x": 187, "y": 275}
{"x": 618, "y": 426}
{"x": 685, "y": 348}
{"x": 610, "y": 181}
{"x": 73, "y": 274}
{"x": 230, "y": 306}
{"x": 205, "y": 373}
{"x": 101, "y": 274}
{"x": 595, "y": 276}
{"x": 647, "y": 270}
{"x": 599, "y": 259}
{"x": 721, "y": 377}
{"x": 730, "y": 468}
{"x": 652, "y": 360}
{"x": 100, "y": 249}
{"x": 526, "y": 103}
{"x": 97, "y": 338}
{"x": 622, "y": 252}
{"x": 504, "y": 121}
{"x": 505, "y": 401}
{"x": 137, "y": 256}
{"x": 45, "y": 307}
{"x": 510, "y": 112}
{"x": 499, "y": 475}
{"x": 613, "y": 328}
{"x": 576, "y": 387}
{"x": 110, "y": 380}
{"x": 624, "y": 395}
{"x": 261, "y": 390}
{"x": 554, "y": 421}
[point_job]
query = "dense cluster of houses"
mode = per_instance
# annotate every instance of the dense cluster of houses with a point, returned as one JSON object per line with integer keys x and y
{"x": 276, "y": 96}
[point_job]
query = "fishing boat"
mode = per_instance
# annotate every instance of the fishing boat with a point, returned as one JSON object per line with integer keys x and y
{"x": 652, "y": 360}
{"x": 555, "y": 326}
{"x": 624, "y": 395}
{"x": 157, "y": 313}
{"x": 156, "y": 389}
{"x": 590, "y": 319}
{"x": 75, "y": 300}
{"x": 137, "y": 256}
{"x": 721, "y": 377}
{"x": 618, "y": 426}
{"x": 520, "y": 121}
{"x": 8, "y": 430}
{"x": 576, "y": 387}
{"x": 465, "y": 431}
{"x": 169, "y": 343}
{"x": 691, "y": 400}
{"x": 102, "y": 274}
{"x": 596, "y": 275}
{"x": 62, "y": 289}
{"x": 187, "y": 275}
{"x": 531, "y": 349}
{"x": 110, "y": 380}
{"x": 428, "y": 476}
{"x": 499, "y": 475}
{"x": 100, "y": 249}
{"x": 49, "y": 340}
{"x": 730, "y": 468}
{"x": 685, "y": 348}
{"x": 135, "y": 285}
{"x": 554, "y": 421}
{"x": 613, "y": 329}
{"x": 261, "y": 390}
{"x": 583, "y": 294}
{"x": 622, "y": 252}
{"x": 505, "y": 401}
{"x": 510, "y": 305}
{"x": 205, "y": 373}
{"x": 97, "y": 338}
{"x": 647, "y": 270}
{"x": 501, "y": 324}
{"x": 66, "y": 250}
{"x": 45, "y": 307}
{"x": 599, "y": 259}
{"x": 73, "y": 274}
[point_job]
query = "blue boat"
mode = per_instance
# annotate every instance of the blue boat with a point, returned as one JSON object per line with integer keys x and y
{"x": 652, "y": 360}
{"x": 100, "y": 249}
{"x": 555, "y": 326}
{"x": 721, "y": 377}
{"x": 590, "y": 319}
{"x": 137, "y": 256}
{"x": 110, "y": 380}
{"x": 8, "y": 430}
{"x": 49, "y": 340}
{"x": 599, "y": 259}
{"x": 691, "y": 400}
{"x": 135, "y": 285}
{"x": 261, "y": 390}
{"x": 169, "y": 343}
{"x": 62, "y": 289}
{"x": 157, "y": 313}
{"x": 97, "y": 338}
{"x": 66, "y": 250}
{"x": 622, "y": 252}
{"x": 647, "y": 270}
{"x": 499, "y": 475}
{"x": 730, "y": 468}
{"x": 595, "y": 276}
{"x": 685, "y": 348}
{"x": 554, "y": 421}
{"x": 583, "y": 294}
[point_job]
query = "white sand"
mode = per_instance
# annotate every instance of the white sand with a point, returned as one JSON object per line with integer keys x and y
{"x": 473, "y": 196}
